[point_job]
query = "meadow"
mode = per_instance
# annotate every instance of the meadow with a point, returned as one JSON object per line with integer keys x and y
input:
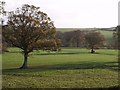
{"x": 69, "y": 68}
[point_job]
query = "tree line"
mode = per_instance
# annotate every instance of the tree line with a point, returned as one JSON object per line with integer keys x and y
{"x": 81, "y": 39}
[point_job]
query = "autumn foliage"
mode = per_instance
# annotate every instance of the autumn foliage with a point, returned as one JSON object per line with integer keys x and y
{"x": 27, "y": 26}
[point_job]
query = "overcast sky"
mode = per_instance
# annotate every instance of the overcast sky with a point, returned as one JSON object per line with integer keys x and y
{"x": 75, "y": 13}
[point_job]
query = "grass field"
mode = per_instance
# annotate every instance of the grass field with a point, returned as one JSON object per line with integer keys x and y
{"x": 70, "y": 68}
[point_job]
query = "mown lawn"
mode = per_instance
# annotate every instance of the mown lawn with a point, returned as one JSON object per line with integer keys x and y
{"x": 70, "y": 68}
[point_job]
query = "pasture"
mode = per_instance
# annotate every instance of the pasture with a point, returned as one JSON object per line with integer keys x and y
{"x": 69, "y": 68}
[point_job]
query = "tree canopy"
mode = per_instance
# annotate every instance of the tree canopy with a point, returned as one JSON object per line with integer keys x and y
{"x": 94, "y": 40}
{"x": 26, "y": 27}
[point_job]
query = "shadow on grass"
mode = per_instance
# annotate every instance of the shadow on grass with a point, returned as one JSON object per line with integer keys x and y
{"x": 71, "y": 53}
{"x": 76, "y": 66}
{"x": 82, "y": 65}
{"x": 60, "y": 53}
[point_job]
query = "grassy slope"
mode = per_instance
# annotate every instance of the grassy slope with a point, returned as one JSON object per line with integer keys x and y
{"x": 71, "y": 68}
{"x": 107, "y": 34}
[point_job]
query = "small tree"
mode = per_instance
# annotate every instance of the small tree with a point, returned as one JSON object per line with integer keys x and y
{"x": 94, "y": 40}
{"x": 60, "y": 37}
{"x": 116, "y": 37}
{"x": 67, "y": 38}
{"x": 27, "y": 26}
{"x": 77, "y": 38}
{"x": 115, "y": 40}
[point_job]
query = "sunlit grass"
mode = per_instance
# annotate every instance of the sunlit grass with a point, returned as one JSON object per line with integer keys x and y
{"x": 70, "y": 68}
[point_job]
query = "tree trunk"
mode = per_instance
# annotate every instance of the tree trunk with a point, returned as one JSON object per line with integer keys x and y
{"x": 92, "y": 50}
{"x": 24, "y": 66}
{"x": 77, "y": 44}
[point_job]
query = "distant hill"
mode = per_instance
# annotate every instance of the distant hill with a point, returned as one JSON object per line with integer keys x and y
{"x": 107, "y": 32}
{"x": 82, "y": 29}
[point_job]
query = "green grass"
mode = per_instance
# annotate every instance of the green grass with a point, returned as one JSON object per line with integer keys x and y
{"x": 70, "y": 68}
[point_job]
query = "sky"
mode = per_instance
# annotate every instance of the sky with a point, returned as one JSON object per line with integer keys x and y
{"x": 74, "y": 13}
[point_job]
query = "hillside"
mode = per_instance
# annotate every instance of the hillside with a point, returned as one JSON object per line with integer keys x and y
{"x": 107, "y": 32}
{"x": 98, "y": 29}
